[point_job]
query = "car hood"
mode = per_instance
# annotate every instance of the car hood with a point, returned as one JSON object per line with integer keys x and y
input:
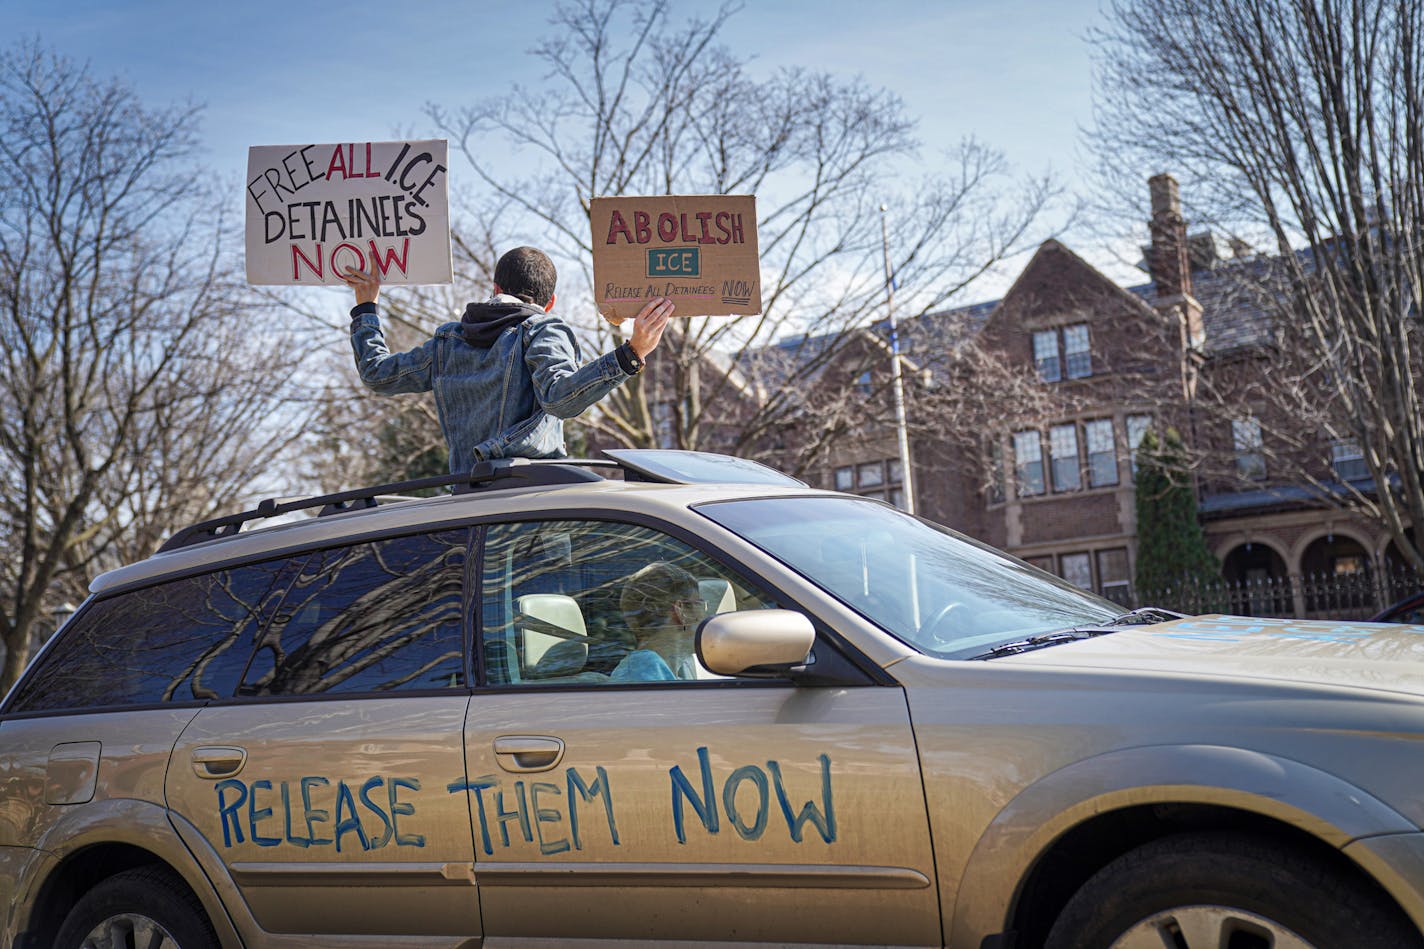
{"x": 1381, "y": 656}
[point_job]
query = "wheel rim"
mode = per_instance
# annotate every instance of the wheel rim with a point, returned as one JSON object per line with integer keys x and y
{"x": 129, "y": 931}
{"x": 1208, "y": 927}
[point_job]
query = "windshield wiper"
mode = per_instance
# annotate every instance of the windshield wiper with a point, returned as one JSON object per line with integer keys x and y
{"x": 1141, "y": 616}
{"x": 1145, "y": 615}
{"x": 1014, "y": 647}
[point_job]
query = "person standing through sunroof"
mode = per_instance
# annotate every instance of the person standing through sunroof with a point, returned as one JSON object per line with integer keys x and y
{"x": 507, "y": 375}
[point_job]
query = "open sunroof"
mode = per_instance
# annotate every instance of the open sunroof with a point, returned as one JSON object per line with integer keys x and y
{"x": 697, "y": 467}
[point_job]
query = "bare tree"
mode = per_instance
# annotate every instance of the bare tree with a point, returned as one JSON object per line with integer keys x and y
{"x": 963, "y": 391}
{"x": 1301, "y": 121}
{"x": 360, "y": 438}
{"x": 141, "y": 388}
{"x": 638, "y": 103}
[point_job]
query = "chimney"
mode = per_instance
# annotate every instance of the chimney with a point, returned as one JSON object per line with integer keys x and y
{"x": 1171, "y": 270}
{"x": 1167, "y": 258}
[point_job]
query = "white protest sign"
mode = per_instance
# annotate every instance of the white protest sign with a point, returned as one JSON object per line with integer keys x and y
{"x": 314, "y": 210}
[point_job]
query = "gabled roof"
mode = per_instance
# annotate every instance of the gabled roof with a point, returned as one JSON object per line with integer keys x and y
{"x": 1051, "y": 250}
{"x": 1233, "y": 293}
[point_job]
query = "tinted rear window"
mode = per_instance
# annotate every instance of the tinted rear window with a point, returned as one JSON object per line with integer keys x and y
{"x": 182, "y": 641}
{"x": 376, "y": 617}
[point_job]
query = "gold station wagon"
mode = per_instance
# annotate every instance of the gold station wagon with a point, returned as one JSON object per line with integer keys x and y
{"x": 691, "y": 701}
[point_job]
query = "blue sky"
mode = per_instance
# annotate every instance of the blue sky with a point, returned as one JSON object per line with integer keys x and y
{"x": 1016, "y": 74}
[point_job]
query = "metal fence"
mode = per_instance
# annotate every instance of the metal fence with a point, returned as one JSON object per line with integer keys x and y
{"x": 1348, "y": 596}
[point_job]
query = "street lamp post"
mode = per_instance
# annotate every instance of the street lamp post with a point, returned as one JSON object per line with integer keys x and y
{"x": 902, "y": 436}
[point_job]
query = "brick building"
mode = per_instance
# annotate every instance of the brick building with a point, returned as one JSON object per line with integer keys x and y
{"x": 1117, "y": 361}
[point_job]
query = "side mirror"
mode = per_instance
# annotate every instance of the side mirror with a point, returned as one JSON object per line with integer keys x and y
{"x": 754, "y": 642}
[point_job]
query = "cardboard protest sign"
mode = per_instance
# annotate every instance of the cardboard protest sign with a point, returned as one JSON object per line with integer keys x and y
{"x": 314, "y": 210}
{"x": 700, "y": 251}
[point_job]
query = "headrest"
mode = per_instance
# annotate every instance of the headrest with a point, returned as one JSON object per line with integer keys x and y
{"x": 555, "y": 609}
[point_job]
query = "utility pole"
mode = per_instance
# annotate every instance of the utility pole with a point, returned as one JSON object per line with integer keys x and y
{"x": 902, "y": 436}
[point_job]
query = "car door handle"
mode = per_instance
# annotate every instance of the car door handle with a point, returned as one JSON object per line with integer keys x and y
{"x": 528, "y": 752}
{"x": 216, "y": 761}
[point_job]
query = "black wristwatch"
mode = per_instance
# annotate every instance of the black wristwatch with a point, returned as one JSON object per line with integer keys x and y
{"x": 629, "y": 360}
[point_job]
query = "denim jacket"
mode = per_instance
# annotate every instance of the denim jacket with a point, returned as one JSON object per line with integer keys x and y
{"x": 505, "y": 401}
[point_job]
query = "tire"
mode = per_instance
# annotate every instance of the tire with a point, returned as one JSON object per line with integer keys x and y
{"x": 143, "y": 908}
{"x": 1205, "y": 891}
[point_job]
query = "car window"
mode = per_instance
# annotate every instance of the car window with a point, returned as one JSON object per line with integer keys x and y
{"x": 599, "y": 602}
{"x": 940, "y": 592}
{"x": 181, "y": 641}
{"x": 376, "y": 617}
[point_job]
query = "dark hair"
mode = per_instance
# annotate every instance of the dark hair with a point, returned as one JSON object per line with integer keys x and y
{"x": 526, "y": 273}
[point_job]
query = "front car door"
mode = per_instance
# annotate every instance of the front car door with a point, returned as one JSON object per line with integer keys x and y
{"x": 322, "y": 785}
{"x": 619, "y": 790}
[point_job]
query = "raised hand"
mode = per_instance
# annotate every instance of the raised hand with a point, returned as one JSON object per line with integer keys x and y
{"x": 366, "y": 285}
{"x": 649, "y": 324}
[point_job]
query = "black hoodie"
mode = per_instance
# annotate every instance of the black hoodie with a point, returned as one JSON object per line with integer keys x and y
{"x": 483, "y": 323}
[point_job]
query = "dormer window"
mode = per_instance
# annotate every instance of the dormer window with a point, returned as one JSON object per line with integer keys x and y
{"x": 1066, "y": 348}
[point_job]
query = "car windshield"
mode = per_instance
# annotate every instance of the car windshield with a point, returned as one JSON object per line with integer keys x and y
{"x": 944, "y": 594}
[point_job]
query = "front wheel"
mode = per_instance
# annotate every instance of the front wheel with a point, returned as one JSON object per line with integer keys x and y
{"x": 143, "y": 908}
{"x": 1224, "y": 891}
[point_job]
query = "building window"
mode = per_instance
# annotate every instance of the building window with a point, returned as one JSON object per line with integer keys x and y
{"x": 864, "y": 384}
{"x": 1137, "y": 427}
{"x": 1114, "y": 581}
{"x": 1028, "y": 461}
{"x": 1076, "y": 354}
{"x": 895, "y": 482}
{"x": 1044, "y": 563}
{"x": 1077, "y": 569}
{"x": 1063, "y": 449}
{"x": 1348, "y": 461}
{"x": 1102, "y": 459}
{"x": 879, "y": 479}
{"x": 1246, "y": 441}
{"x": 1045, "y": 355}
{"x": 996, "y": 472}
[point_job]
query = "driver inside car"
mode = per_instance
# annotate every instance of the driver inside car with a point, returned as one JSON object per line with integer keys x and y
{"x": 662, "y": 606}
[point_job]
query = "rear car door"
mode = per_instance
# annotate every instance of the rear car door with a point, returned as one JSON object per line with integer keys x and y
{"x": 608, "y": 804}
{"x": 321, "y": 784}
{"x": 88, "y": 732}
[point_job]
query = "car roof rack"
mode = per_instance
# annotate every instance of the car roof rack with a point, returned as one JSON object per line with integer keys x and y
{"x": 498, "y": 473}
{"x": 663, "y": 466}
